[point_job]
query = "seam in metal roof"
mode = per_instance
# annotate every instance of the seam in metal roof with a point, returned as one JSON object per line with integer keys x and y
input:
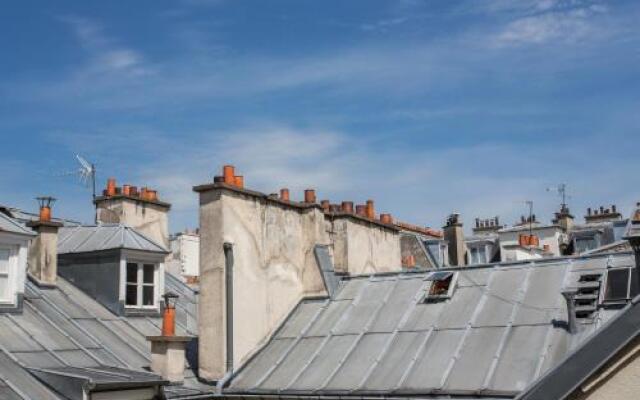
{"x": 8, "y": 224}
{"x": 375, "y": 338}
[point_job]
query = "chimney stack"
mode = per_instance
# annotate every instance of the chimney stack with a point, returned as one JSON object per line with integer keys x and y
{"x": 43, "y": 252}
{"x": 454, "y": 235}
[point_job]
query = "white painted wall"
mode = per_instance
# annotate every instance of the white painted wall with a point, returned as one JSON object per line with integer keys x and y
{"x": 185, "y": 253}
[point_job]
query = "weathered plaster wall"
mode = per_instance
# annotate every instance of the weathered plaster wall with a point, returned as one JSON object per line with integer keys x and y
{"x": 361, "y": 247}
{"x": 619, "y": 380}
{"x": 43, "y": 255}
{"x": 148, "y": 218}
{"x": 274, "y": 268}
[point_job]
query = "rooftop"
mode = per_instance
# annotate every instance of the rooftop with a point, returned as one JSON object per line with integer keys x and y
{"x": 378, "y": 337}
{"x": 81, "y": 239}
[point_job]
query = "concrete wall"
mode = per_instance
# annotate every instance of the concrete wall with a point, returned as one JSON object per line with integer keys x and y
{"x": 363, "y": 247}
{"x": 147, "y": 217}
{"x": 274, "y": 268}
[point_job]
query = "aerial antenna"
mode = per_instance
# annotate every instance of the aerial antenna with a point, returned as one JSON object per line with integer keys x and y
{"x": 562, "y": 192}
{"x": 86, "y": 174}
{"x": 530, "y": 204}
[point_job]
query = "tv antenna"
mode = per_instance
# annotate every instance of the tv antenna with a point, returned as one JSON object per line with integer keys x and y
{"x": 530, "y": 204}
{"x": 86, "y": 174}
{"x": 562, "y": 192}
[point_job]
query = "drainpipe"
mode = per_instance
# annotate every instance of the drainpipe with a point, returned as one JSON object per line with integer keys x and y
{"x": 572, "y": 322}
{"x": 228, "y": 281}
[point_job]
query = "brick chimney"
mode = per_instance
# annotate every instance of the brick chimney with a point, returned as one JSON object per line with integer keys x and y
{"x": 454, "y": 235}
{"x": 43, "y": 252}
{"x": 564, "y": 218}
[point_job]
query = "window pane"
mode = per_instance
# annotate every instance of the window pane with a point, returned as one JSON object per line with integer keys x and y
{"x": 617, "y": 283}
{"x": 634, "y": 283}
{"x": 132, "y": 295}
{"x": 147, "y": 295}
{"x": 132, "y": 273}
{"x": 148, "y": 273}
{"x": 4, "y": 261}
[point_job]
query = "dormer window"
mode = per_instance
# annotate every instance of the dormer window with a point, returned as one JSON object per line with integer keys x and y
{"x": 442, "y": 286}
{"x": 621, "y": 285}
{"x": 141, "y": 285}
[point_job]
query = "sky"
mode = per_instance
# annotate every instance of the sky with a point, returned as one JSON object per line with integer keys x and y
{"x": 427, "y": 107}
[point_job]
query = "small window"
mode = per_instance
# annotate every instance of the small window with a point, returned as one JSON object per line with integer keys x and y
{"x": 141, "y": 282}
{"x": 6, "y": 295}
{"x": 441, "y": 287}
{"x": 621, "y": 285}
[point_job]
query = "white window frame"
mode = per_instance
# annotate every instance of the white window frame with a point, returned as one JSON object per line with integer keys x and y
{"x": 140, "y": 284}
{"x": 11, "y": 274}
{"x": 429, "y": 298}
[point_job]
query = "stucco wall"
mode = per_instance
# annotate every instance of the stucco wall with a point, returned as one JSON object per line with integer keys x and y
{"x": 621, "y": 381}
{"x": 361, "y": 247}
{"x": 274, "y": 268}
{"x": 148, "y": 218}
{"x": 42, "y": 258}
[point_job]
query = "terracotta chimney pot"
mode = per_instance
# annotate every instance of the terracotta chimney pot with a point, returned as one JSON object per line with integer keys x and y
{"x": 133, "y": 191}
{"x": 228, "y": 172}
{"x": 325, "y": 204}
{"x": 309, "y": 196}
{"x": 386, "y": 219}
{"x": 111, "y": 187}
{"x": 45, "y": 214}
{"x": 126, "y": 190}
{"x": 284, "y": 194}
{"x": 370, "y": 210}
{"x": 361, "y": 210}
{"x": 239, "y": 181}
{"x": 347, "y": 207}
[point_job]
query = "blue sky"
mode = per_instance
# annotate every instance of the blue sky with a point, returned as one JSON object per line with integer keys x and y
{"x": 428, "y": 107}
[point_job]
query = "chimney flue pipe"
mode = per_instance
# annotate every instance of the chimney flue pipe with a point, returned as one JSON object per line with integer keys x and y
{"x": 370, "y": 210}
{"x": 309, "y": 196}
{"x": 572, "y": 322}
{"x": 111, "y": 187}
{"x": 228, "y": 172}
{"x": 347, "y": 207}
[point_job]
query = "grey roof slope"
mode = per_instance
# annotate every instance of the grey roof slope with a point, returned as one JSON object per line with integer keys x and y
{"x": 63, "y": 327}
{"x": 592, "y": 354}
{"x": 81, "y": 239}
{"x": 8, "y": 224}
{"x": 376, "y": 338}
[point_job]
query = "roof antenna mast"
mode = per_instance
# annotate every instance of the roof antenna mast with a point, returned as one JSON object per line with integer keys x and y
{"x": 530, "y": 204}
{"x": 87, "y": 176}
{"x": 562, "y": 192}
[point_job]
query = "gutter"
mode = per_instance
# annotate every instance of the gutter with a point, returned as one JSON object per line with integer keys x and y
{"x": 228, "y": 278}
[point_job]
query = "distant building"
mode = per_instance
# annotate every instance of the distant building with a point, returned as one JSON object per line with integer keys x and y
{"x": 185, "y": 254}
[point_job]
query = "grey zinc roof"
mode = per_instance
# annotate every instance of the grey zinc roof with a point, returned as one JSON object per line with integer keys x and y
{"x": 82, "y": 239}
{"x": 376, "y": 337}
{"x": 587, "y": 359}
{"x": 8, "y": 224}
{"x": 62, "y": 327}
